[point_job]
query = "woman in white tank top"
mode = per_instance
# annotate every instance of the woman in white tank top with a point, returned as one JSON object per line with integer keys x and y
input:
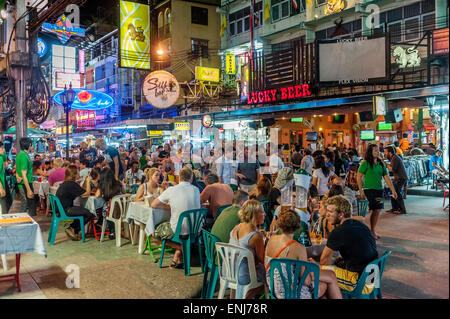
{"x": 150, "y": 187}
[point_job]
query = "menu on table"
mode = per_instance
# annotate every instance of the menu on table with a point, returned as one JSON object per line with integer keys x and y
{"x": 15, "y": 219}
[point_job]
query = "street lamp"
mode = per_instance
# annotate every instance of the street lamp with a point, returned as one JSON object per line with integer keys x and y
{"x": 67, "y": 98}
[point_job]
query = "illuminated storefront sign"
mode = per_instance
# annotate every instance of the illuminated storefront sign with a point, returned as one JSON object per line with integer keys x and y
{"x": 81, "y": 61}
{"x": 182, "y": 126}
{"x": 207, "y": 74}
{"x": 152, "y": 133}
{"x": 406, "y": 58}
{"x": 63, "y": 29}
{"x": 41, "y": 47}
{"x": 87, "y": 100}
{"x": 134, "y": 35}
{"x": 161, "y": 89}
{"x": 65, "y": 79}
{"x": 440, "y": 41}
{"x": 379, "y": 105}
{"x": 85, "y": 118}
{"x": 297, "y": 120}
{"x": 62, "y": 130}
{"x": 287, "y": 93}
{"x": 334, "y": 6}
{"x": 230, "y": 64}
{"x": 207, "y": 120}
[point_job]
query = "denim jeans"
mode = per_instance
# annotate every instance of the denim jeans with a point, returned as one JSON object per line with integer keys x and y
{"x": 27, "y": 205}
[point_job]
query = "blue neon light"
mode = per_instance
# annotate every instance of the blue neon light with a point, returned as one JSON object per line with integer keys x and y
{"x": 98, "y": 100}
{"x": 41, "y": 47}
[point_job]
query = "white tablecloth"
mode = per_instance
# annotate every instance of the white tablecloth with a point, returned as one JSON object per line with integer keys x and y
{"x": 23, "y": 238}
{"x": 143, "y": 214}
{"x": 41, "y": 188}
{"x": 92, "y": 203}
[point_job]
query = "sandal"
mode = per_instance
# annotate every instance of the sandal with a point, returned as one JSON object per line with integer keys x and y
{"x": 175, "y": 264}
{"x": 398, "y": 212}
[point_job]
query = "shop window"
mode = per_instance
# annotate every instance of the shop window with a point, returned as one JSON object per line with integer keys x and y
{"x": 280, "y": 9}
{"x": 199, "y": 15}
{"x": 199, "y": 48}
{"x": 395, "y": 15}
{"x": 428, "y": 22}
{"x": 395, "y": 31}
{"x": 412, "y": 10}
{"x": 428, "y": 6}
{"x": 412, "y": 30}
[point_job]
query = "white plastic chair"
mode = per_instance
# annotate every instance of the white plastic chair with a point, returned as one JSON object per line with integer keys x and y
{"x": 123, "y": 201}
{"x": 231, "y": 257}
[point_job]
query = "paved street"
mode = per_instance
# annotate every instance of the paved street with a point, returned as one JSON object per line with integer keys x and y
{"x": 417, "y": 268}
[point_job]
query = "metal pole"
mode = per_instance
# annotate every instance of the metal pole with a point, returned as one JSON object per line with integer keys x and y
{"x": 67, "y": 109}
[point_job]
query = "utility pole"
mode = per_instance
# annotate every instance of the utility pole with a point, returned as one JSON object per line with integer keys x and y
{"x": 19, "y": 68}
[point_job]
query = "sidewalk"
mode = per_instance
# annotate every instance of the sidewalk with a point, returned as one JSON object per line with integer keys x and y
{"x": 417, "y": 268}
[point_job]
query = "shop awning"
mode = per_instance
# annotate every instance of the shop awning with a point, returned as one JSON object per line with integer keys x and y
{"x": 257, "y": 111}
{"x": 32, "y": 132}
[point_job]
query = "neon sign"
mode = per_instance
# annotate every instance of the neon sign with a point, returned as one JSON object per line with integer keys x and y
{"x": 87, "y": 100}
{"x": 287, "y": 93}
{"x": 41, "y": 47}
{"x": 63, "y": 28}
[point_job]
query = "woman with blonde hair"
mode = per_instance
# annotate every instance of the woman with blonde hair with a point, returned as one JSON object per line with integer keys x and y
{"x": 59, "y": 173}
{"x": 246, "y": 235}
{"x": 151, "y": 186}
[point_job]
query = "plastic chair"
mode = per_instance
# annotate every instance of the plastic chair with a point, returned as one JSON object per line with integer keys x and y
{"x": 230, "y": 258}
{"x": 269, "y": 215}
{"x": 54, "y": 201}
{"x": 195, "y": 220}
{"x": 220, "y": 209}
{"x": 209, "y": 286}
{"x": 378, "y": 265}
{"x": 234, "y": 187}
{"x": 445, "y": 193}
{"x": 121, "y": 202}
{"x": 134, "y": 188}
{"x": 362, "y": 207}
{"x": 289, "y": 271}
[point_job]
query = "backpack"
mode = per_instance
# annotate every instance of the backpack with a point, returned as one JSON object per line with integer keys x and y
{"x": 350, "y": 178}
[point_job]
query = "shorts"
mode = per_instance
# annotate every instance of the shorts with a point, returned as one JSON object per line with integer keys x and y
{"x": 372, "y": 195}
{"x": 347, "y": 280}
{"x": 163, "y": 231}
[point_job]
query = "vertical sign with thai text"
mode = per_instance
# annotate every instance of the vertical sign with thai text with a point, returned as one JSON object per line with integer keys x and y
{"x": 230, "y": 63}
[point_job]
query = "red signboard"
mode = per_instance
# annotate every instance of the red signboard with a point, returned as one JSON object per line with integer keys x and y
{"x": 85, "y": 118}
{"x": 440, "y": 41}
{"x": 273, "y": 95}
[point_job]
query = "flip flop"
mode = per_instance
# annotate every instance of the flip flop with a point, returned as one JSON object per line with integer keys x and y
{"x": 398, "y": 212}
{"x": 175, "y": 264}
{"x": 376, "y": 236}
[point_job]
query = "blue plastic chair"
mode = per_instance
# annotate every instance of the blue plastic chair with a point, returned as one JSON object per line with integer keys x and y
{"x": 54, "y": 201}
{"x": 220, "y": 209}
{"x": 293, "y": 282}
{"x": 362, "y": 281}
{"x": 195, "y": 219}
{"x": 209, "y": 286}
{"x": 362, "y": 207}
{"x": 134, "y": 188}
{"x": 269, "y": 215}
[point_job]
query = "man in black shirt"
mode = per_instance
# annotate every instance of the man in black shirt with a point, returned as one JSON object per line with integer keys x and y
{"x": 400, "y": 179}
{"x": 296, "y": 158}
{"x": 352, "y": 239}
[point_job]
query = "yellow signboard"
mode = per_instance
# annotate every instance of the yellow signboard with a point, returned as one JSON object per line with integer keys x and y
{"x": 230, "y": 64}
{"x": 134, "y": 35}
{"x": 150, "y": 133}
{"x": 62, "y": 130}
{"x": 207, "y": 74}
{"x": 182, "y": 126}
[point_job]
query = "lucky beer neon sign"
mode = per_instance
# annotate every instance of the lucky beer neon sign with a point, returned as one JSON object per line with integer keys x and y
{"x": 273, "y": 95}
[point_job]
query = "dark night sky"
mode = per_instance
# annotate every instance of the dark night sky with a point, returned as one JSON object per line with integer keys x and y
{"x": 106, "y": 9}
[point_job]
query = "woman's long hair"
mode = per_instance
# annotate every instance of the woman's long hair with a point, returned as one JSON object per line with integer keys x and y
{"x": 108, "y": 184}
{"x": 319, "y": 162}
{"x": 369, "y": 155}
